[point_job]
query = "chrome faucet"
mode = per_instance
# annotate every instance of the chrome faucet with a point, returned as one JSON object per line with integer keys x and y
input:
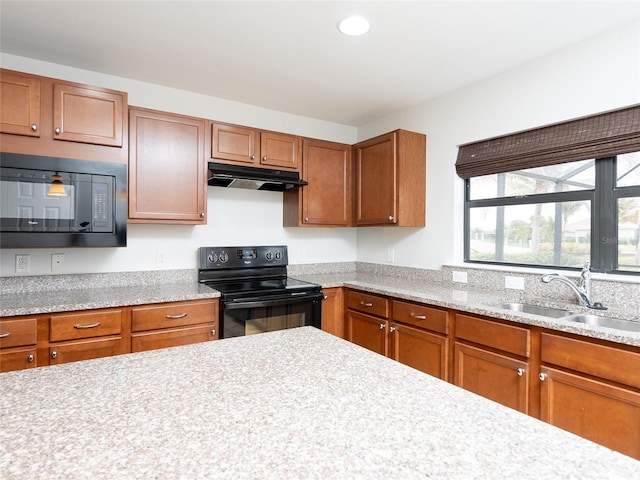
{"x": 582, "y": 290}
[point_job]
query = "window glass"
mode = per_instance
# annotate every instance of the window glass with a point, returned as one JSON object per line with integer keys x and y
{"x": 555, "y": 233}
{"x": 628, "y": 233}
{"x": 628, "y": 170}
{"x": 563, "y": 177}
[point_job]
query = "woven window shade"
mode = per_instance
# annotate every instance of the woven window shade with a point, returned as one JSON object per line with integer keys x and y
{"x": 598, "y": 136}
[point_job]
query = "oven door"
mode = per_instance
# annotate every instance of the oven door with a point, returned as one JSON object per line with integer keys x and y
{"x": 257, "y": 315}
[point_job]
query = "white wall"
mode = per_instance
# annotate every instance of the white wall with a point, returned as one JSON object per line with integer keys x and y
{"x": 591, "y": 77}
{"x": 235, "y": 217}
{"x": 594, "y": 76}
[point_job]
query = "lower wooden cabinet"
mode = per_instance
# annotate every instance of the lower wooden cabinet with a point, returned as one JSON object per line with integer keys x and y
{"x": 368, "y": 331}
{"x": 18, "y": 359}
{"x": 65, "y": 352}
{"x": 173, "y": 324}
{"x": 420, "y": 349}
{"x": 333, "y": 311}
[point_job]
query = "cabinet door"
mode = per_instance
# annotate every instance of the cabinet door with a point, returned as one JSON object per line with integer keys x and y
{"x": 280, "y": 150}
{"x": 606, "y": 414}
{"x": 18, "y": 359}
{"x": 326, "y": 166}
{"x": 167, "y": 171}
{"x": 333, "y": 311}
{"x": 368, "y": 332}
{"x": 19, "y": 104}
{"x": 84, "y": 350}
{"x": 419, "y": 349}
{"x": 235, "y": 144}
{"x": 497, "y": 377}
{"x": 376, "y": 182}
{"x": 173, "y": 337}
{"x": 88, "y": 114}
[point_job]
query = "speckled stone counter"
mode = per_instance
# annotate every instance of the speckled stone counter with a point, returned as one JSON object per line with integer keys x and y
{"x": 482, "y": 302}
{"x": 274, "y": 406}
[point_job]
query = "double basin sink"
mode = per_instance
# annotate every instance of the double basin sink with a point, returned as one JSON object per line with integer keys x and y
{"x": 585, "y": 318}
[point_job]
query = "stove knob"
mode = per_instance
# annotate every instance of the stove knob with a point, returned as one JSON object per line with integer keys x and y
{"x": 278, "y": 255}
{"x": 223, "y": 257}
{"x": 269, "y": 255}
{"x": 212, "y": 257}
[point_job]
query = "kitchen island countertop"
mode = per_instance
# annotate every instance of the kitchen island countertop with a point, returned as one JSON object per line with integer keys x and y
{"x": 295, "y": 403}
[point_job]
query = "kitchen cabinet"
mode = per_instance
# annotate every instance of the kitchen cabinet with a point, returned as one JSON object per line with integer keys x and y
{"x": 367, "y": 321}
{"x": 167, "y": 171}
{"x": 18, "y": 338}
{"x": 418, "y": 337}
{"x": 326, "y": 200}
{"x": 592, "y": 389}
{"x": 86, "y": 334}
{"x": 333, "y": 311}
{"x": 492, "y": 360}
{"x": 390, "y": 172}
{"x": 173, "y": 324}
{"x": 50, "y": 117}
{"x": 258, "y": 148}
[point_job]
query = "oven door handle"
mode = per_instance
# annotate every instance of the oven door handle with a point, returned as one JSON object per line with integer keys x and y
{"x": 271, "y": 302}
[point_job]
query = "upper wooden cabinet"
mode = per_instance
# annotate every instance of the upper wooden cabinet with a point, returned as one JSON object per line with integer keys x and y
{"x": 44, "y": 116}
{"x": 326, "y": 201}
{"x": 167, "y": 171}
{"x": 259, "y": 148}
{"x": 391, "y": 180}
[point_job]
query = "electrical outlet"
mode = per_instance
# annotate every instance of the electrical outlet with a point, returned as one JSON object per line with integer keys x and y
{"x": 161, "y": 258}
{"x": 57, "y": 262}
{"x": 22, "y": 263}
{"x": 515, "y": 283}
{"x": 459, "y": 277}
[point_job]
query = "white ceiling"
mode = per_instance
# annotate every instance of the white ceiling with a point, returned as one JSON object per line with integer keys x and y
{"x": 289, "y": 56}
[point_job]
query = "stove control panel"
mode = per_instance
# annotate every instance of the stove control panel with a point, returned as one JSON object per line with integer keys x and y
{"x": 242, "y": 257}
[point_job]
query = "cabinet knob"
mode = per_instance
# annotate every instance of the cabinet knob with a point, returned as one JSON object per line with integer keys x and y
{"x": 34, "y": 127}
{"x": 30, "y": 358}
{"x": 520, "y": 372}
{"x": 324, "y": 297}
{"x": 382, "y": 326}
{"x": 391, "y": 218}
{"x": 253, "y": 157}
{"x": 54, "y": 354}
{"x": 201, "y": 214}
{"x": 392, "y": 329}
{"x": 213, "y": 332}
{"x": 57, "y": 130}
{"x": 542, "y": 377}
{"x": 306, "y": 219}
{"x": 264, "y": 159}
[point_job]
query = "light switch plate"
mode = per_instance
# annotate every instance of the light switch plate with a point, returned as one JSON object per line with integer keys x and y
{"x": 459, "y": 277}
{"x": 515, "y": 283}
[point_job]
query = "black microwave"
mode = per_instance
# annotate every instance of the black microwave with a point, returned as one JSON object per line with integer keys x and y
{"x": 61, "y": 202}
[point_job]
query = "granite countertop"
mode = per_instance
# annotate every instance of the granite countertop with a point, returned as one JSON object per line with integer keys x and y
{"x": 274, "y": 405}
{"x": 51, "y": 301}
{"x": 481, "y": 302}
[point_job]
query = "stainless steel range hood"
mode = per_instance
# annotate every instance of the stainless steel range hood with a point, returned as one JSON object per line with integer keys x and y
{"x": 252, "y": 178}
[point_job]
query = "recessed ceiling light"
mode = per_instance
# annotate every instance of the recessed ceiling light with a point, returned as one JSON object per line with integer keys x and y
{"x": 354, "y": 26}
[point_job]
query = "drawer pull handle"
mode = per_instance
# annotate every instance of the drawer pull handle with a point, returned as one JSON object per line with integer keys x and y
{"x": 175, "y": 317}
{"x": 368, "y": 304}
{"x": 5, "y": 335}
{"x": 91, "y": 325}
{"x": 418, "y": 317}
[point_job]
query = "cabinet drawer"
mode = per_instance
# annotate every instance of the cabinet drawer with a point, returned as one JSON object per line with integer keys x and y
{"x": 170, "y": 315}
{"x": 18, "y": 359}
{"x": 507, "y": 338}
{"x": 594, "y": 359}
{"x": 421, "y": 316}
{"x": 16, "y": 333}
{"x": 85, "y": 325}
{"x": 368, "y": 303}
{"x": 173, "y": 338}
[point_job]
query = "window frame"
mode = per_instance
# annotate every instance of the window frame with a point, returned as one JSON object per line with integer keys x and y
{"x": 603, "y": 199}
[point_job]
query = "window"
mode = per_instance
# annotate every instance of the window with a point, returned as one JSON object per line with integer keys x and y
{"x": 556, "y": 196}
{"x": 558, "y": 215}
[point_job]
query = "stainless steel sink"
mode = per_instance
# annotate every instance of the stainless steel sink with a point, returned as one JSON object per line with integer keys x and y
{"x": 598, "y": 321}
{"x": 535, "y": 309}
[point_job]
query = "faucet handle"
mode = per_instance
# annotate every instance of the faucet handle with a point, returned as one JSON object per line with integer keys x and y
{"x": 587, "y": 265}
